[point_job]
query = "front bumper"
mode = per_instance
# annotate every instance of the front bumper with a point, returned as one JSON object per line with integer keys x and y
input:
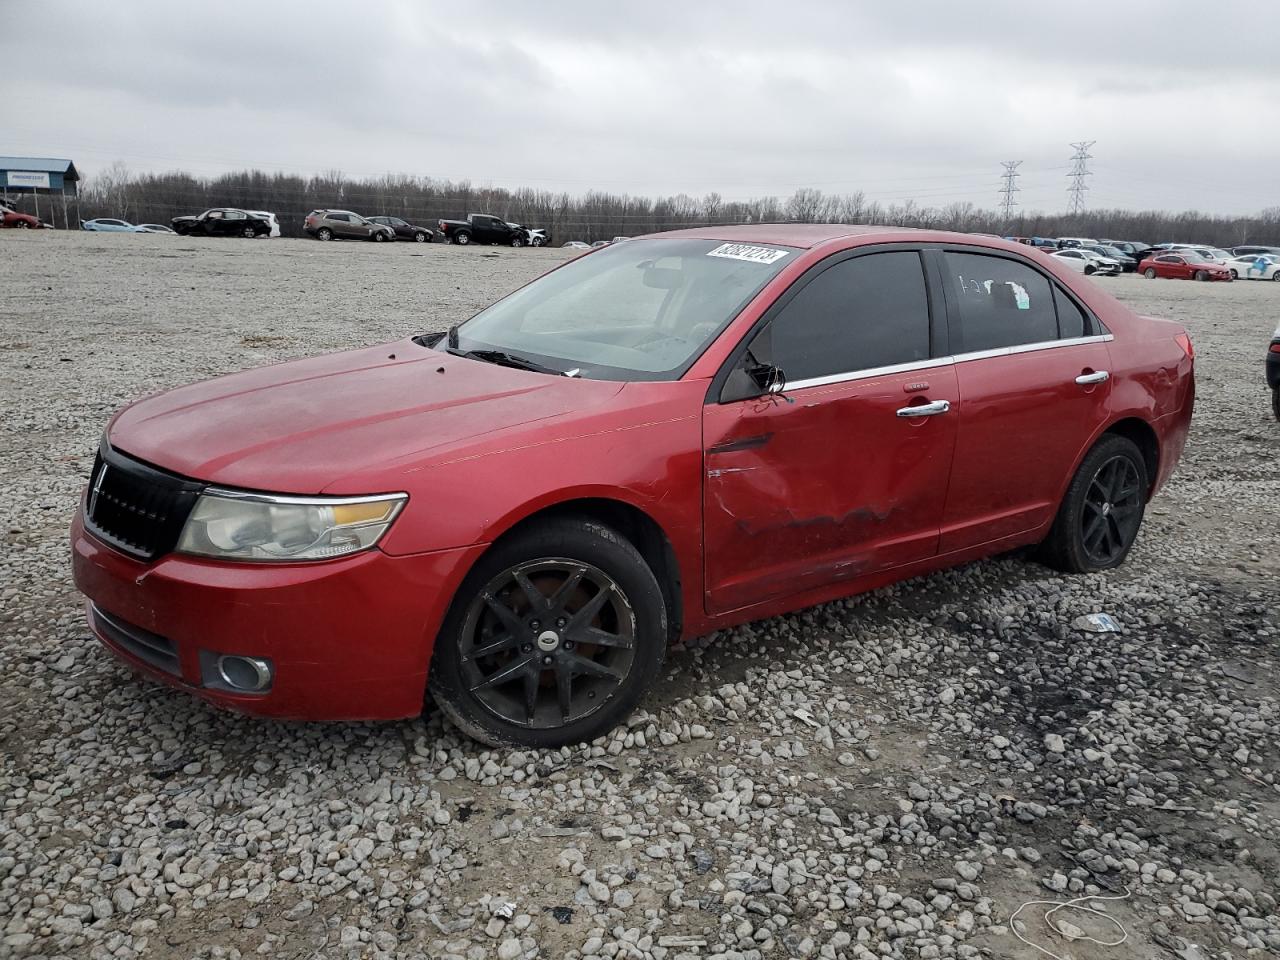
{"x": 348, "y": 639}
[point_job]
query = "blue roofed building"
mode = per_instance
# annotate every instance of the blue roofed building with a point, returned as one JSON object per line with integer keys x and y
{"x": 22, "y": 177}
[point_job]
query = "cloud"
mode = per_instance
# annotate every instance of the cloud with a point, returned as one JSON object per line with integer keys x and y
{"x": 900, "y": 100}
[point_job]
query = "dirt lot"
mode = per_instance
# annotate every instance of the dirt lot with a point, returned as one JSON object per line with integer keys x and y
{"x": 888, "y": 776}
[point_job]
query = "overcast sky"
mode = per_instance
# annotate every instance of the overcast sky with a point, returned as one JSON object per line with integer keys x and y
{"x": 902, "y": 100}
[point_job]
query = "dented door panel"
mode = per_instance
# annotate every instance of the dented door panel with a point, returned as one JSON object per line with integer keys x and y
{"x": 827, "y": 487}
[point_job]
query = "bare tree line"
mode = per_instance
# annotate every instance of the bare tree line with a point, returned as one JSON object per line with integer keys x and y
{"x": 596, "y": 215}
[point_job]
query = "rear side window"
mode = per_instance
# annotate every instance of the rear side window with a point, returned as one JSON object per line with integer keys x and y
{"x": 869, "y": 311}
{"x": 1002, "y": 303}
{"x": 1071, "y": 319}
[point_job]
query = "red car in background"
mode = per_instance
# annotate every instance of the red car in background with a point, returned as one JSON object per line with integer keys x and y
{"x": 1183, "y": 265}
{"x": 14, "y": 218}
{"x": 657, "y": 439}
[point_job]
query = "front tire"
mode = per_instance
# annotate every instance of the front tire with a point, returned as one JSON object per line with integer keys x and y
{"x": 517, "y": 241}
{"x": 23, "y": 225}
{"x": 1201, "y": 275}
{"x": 1102, "y": 511}
{"x": 1149, "y": 273}
{"x": 1234, "y": 275}
{"x": 552, "y": 639}
{"x": 420, "y": 238}
{"x": 379, "y": 237}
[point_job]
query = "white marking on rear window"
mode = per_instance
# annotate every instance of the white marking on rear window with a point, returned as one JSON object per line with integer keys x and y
{"x": 745, "y": 251}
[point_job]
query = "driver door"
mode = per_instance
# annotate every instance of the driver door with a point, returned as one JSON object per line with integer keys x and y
{"x": 845, "y": 473}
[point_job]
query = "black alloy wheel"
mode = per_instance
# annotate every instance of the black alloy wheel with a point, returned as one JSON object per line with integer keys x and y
{"x": 552, "y": 639}
{"x": 1112, "y": 511}
{"x": 547, "y": 643}
{"x": 249, "y": 233}
{"x": 1102, "y": 511}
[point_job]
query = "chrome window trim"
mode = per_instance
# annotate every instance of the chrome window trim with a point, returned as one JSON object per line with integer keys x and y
{"x": 873, "y": 372}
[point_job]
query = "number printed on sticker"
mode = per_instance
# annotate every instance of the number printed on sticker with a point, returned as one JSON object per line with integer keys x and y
{"x": 748, "y": 252}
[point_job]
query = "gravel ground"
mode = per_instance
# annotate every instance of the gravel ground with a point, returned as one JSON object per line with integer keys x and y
{"x": 888, "y": 776}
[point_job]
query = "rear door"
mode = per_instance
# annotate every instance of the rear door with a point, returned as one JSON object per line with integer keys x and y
{"x": 1032, "y": 368}
{"x": 845, "y": 473}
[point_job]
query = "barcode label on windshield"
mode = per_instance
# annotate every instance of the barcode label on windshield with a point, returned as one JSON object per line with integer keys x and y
{"x": 744, "y": 251}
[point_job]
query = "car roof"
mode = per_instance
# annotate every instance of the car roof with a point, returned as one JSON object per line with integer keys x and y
{"x": 808, "y": 235}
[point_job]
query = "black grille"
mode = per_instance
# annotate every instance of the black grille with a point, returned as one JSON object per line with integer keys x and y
{"x": 135, "y": 507}
{"x": 146, "y": 646}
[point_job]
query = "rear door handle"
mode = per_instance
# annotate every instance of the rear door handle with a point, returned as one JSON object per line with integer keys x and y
{"x": 926, "y": 409}
{"x": 1085, "y": 379}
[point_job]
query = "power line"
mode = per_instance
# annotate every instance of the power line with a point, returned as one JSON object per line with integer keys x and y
{"x": 1079, "y": 170}
{"x": 1010, "y": 178}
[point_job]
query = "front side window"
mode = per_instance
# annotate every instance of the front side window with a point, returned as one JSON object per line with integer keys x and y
{"x": 865, "y": 312}
{"x": 632, "y": 311}
{"x": 1002, "y": 303}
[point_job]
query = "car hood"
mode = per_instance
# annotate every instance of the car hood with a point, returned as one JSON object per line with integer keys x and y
{"x": 302, "y": 426}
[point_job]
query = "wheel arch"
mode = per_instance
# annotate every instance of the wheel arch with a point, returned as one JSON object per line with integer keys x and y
{"x": 1144, "y": 437}
{"x": 636, "y": 525}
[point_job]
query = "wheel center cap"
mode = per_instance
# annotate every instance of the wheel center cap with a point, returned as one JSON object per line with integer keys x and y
{"x": 1106, "y": 509}
{"x": 548, "y": 640}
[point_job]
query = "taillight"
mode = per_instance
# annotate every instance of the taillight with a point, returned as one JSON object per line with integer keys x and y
{"x": 1184, "y": 342}
{"x": 1275, "y": 347}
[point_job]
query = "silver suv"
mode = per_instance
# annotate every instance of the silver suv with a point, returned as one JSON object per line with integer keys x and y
{"x": 345, "y": 225}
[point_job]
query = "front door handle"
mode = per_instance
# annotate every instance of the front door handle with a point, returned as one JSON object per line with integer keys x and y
{"x": 1100, "y": 376}
{"x": 926, "y": 409}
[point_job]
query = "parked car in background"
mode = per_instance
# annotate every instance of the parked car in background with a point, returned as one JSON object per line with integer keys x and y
{"x": 156, "y": 228}
{"x": 10, "y": 217}
{"x": 1273, "y": 372}
{"x": 1087, "y": 262}
{"x": 575, "y": 245}
{"x": 1069, "y": 242}
{"x": 483, "y": 228}
{"x": 345, "y": 225}
{"x": 404, "y": 230}
{"x": 1127, "y": 263}
{"x": 532, "y": 237}
{"x": 1183, "y": 265}
{"x": 1130, "y": 248}
{"x": 600, "y": 243}
{"x": 109, "y": 225}
{"x": 271, "y": 221}
{"x": 222, "y": 222}
{"x": 1241, "y": 251}
{"x": 454, "y": 513}
{"x": 1255, "y": 266}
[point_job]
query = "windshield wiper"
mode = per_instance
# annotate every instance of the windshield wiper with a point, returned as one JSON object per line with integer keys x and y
{"x": 505, "y": 359}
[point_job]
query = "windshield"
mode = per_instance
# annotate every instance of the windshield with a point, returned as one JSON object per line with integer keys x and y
{"x": 642, "y": 310}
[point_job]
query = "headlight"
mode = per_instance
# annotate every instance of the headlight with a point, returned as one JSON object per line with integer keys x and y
{"x": 252, "y": 526}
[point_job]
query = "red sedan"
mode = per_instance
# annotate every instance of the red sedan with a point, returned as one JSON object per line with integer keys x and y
{"x": 16, "y": 218}
{"x": 657, "y": 439}
{"x": 1183, "y": 265}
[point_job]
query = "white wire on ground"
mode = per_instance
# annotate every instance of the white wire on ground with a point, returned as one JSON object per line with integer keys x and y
{"x": 1075, "y": 904}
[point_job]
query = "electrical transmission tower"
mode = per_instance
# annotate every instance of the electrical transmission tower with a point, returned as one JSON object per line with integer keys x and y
{"x": 1010, "y": 187}
{"x": 1079, "y": 170}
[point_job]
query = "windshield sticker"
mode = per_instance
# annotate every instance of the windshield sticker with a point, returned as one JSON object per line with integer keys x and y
{"x": 744, "y": 251}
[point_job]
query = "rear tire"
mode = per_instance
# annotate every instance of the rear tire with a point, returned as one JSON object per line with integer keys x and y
{"x": 557, "y": 683}
{"x": 249, "y": 233}
{"x": 462, "y": 238}
{"x": 1149, "y": 273}
{"x": 324, "y": 233}
{"x": 1276, "y": 276}
{"x": 1102, "y": 511}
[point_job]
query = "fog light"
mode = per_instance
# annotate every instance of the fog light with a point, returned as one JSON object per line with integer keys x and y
{"x": 252, "y": 674}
